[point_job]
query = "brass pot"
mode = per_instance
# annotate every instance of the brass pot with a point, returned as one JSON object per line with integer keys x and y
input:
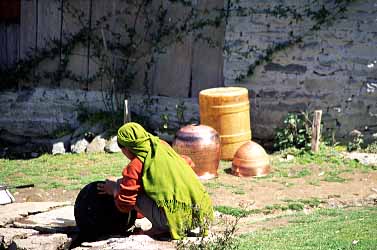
{"x": 202, "y": 144}
{"x": 251, "y": 160}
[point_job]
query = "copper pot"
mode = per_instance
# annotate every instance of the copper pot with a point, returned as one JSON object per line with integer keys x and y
{"x": 202, "y": 144}
{"x": 251, "y": 160}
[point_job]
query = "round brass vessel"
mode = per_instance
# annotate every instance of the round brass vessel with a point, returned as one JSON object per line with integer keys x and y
{"x": 202, "y": 144}
{"x": 251, "y": 160}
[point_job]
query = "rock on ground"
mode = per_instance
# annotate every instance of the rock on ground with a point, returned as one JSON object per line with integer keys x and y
{"x": 58, "y": 148}
{"x": 58, "y": 220}
{"x": 79, "y": 145}
{"x": 97, "y": 145}
{"x": 112, "y": 145}
{"x": 11, "y": 212}
{"x": 8, "y": 235}
{"x": 45, "y": 242}
{"x": 364, "y": 158}
{"x": 133, "y": 242}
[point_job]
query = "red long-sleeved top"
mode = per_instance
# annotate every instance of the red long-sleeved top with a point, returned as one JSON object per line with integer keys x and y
{"x": 131, "y": 185}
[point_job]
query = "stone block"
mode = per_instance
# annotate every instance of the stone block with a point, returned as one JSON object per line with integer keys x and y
{"x": 58, "y": 220}
{"x": 97, "y": 145}
{"x": 133, "y": 242}
{"x": 287, "y": 69}
{"x": 61, "y": 145}
{"x": 14, "y": 211}
{"x": 8, "y": 235}
{"x": 79, "y": 145}
{"x": 112, "y": 145}
{"x": 58, "y": 148}
{"x": 45, "y": 242}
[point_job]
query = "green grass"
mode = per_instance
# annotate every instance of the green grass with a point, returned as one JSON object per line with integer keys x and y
{"x": 236, "y": 212}
{"x": 239, "y": 192}
{"x": 312, "y": 202}
{"x": 69, "y": 171}
{"x": 324, "y": 229}
{"x": 294, "y": 205}
{"x": 327, "y": 156}
{"x": 302, "y": 173}
{"x": 216, "y": 184}
{"x": 328, "y": 159}
{"x": 314, "y": 182}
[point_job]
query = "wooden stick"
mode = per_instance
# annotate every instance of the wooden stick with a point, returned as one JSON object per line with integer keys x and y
{"x": 316, "y": 130}
{"x": 127, "y": 113}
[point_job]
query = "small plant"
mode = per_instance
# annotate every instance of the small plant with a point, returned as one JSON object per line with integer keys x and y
{"x": 180, "y": 111}
{"x": 165, "y": 122}
{"x": 312, "y": 202}
{"x": 296, "y": 132}
{"x": 236, "y": 212}
{"x": 296, "y": 206}
{"x": 239, "y": 192}
{"x": 222, "y": 240}
{"x": 334, "y": 178}
{"x": 371, "y": 148}
{"x": 357, "y": 141}
{"x": 301, "y": 173}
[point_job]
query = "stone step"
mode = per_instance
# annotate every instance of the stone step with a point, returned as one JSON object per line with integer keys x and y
{"x": 58, "y": 220}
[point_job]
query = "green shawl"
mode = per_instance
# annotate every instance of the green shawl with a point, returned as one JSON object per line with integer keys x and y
{"x": 169, "y": 181}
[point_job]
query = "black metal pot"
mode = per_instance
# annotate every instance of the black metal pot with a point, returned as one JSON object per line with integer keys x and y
{"x": 96, "y": 214}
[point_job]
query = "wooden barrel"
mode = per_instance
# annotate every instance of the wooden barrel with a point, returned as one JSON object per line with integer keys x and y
{"x": 227, "y": 110}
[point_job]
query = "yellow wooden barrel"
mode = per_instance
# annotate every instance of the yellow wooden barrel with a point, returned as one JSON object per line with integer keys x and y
{"x": 227, "y": 110}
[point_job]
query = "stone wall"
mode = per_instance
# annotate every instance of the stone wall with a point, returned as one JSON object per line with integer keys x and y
{"x": 333, "y": 68}
{"x": 31, "y": 117}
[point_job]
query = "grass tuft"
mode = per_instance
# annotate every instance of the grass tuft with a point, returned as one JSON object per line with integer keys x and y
{"x": 324, "y": 229}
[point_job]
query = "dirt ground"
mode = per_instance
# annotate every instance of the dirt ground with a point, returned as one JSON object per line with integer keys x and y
{"x": 254, "y": 193}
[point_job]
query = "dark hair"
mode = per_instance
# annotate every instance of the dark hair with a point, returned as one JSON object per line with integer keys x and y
{"x": 119, "y": 145}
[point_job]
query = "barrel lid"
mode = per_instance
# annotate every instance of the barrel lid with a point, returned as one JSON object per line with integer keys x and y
{"x": 224, "y": 91}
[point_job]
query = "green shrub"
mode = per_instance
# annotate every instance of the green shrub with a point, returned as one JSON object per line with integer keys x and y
{"x": 296, "y": 132}
{"x": 371, "y": 148}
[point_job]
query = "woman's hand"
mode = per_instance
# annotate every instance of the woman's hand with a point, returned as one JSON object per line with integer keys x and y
{"x": 110, "y": 186}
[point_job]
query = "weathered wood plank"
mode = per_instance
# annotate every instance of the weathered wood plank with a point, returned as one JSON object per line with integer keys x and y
{"x": 49, "y": 22}
{"x": 3, "y": 46}
{"x": 207, "y": 61}
{"x": 316, "y": 130}
{"x": 101, "y": 9}
{"x": 13, "y": 41}
{"x": 28, "y": 27}
{"x": 48, "y": 37}
{"x": 78, "y": 62}
{"x": 172, "y": 72}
